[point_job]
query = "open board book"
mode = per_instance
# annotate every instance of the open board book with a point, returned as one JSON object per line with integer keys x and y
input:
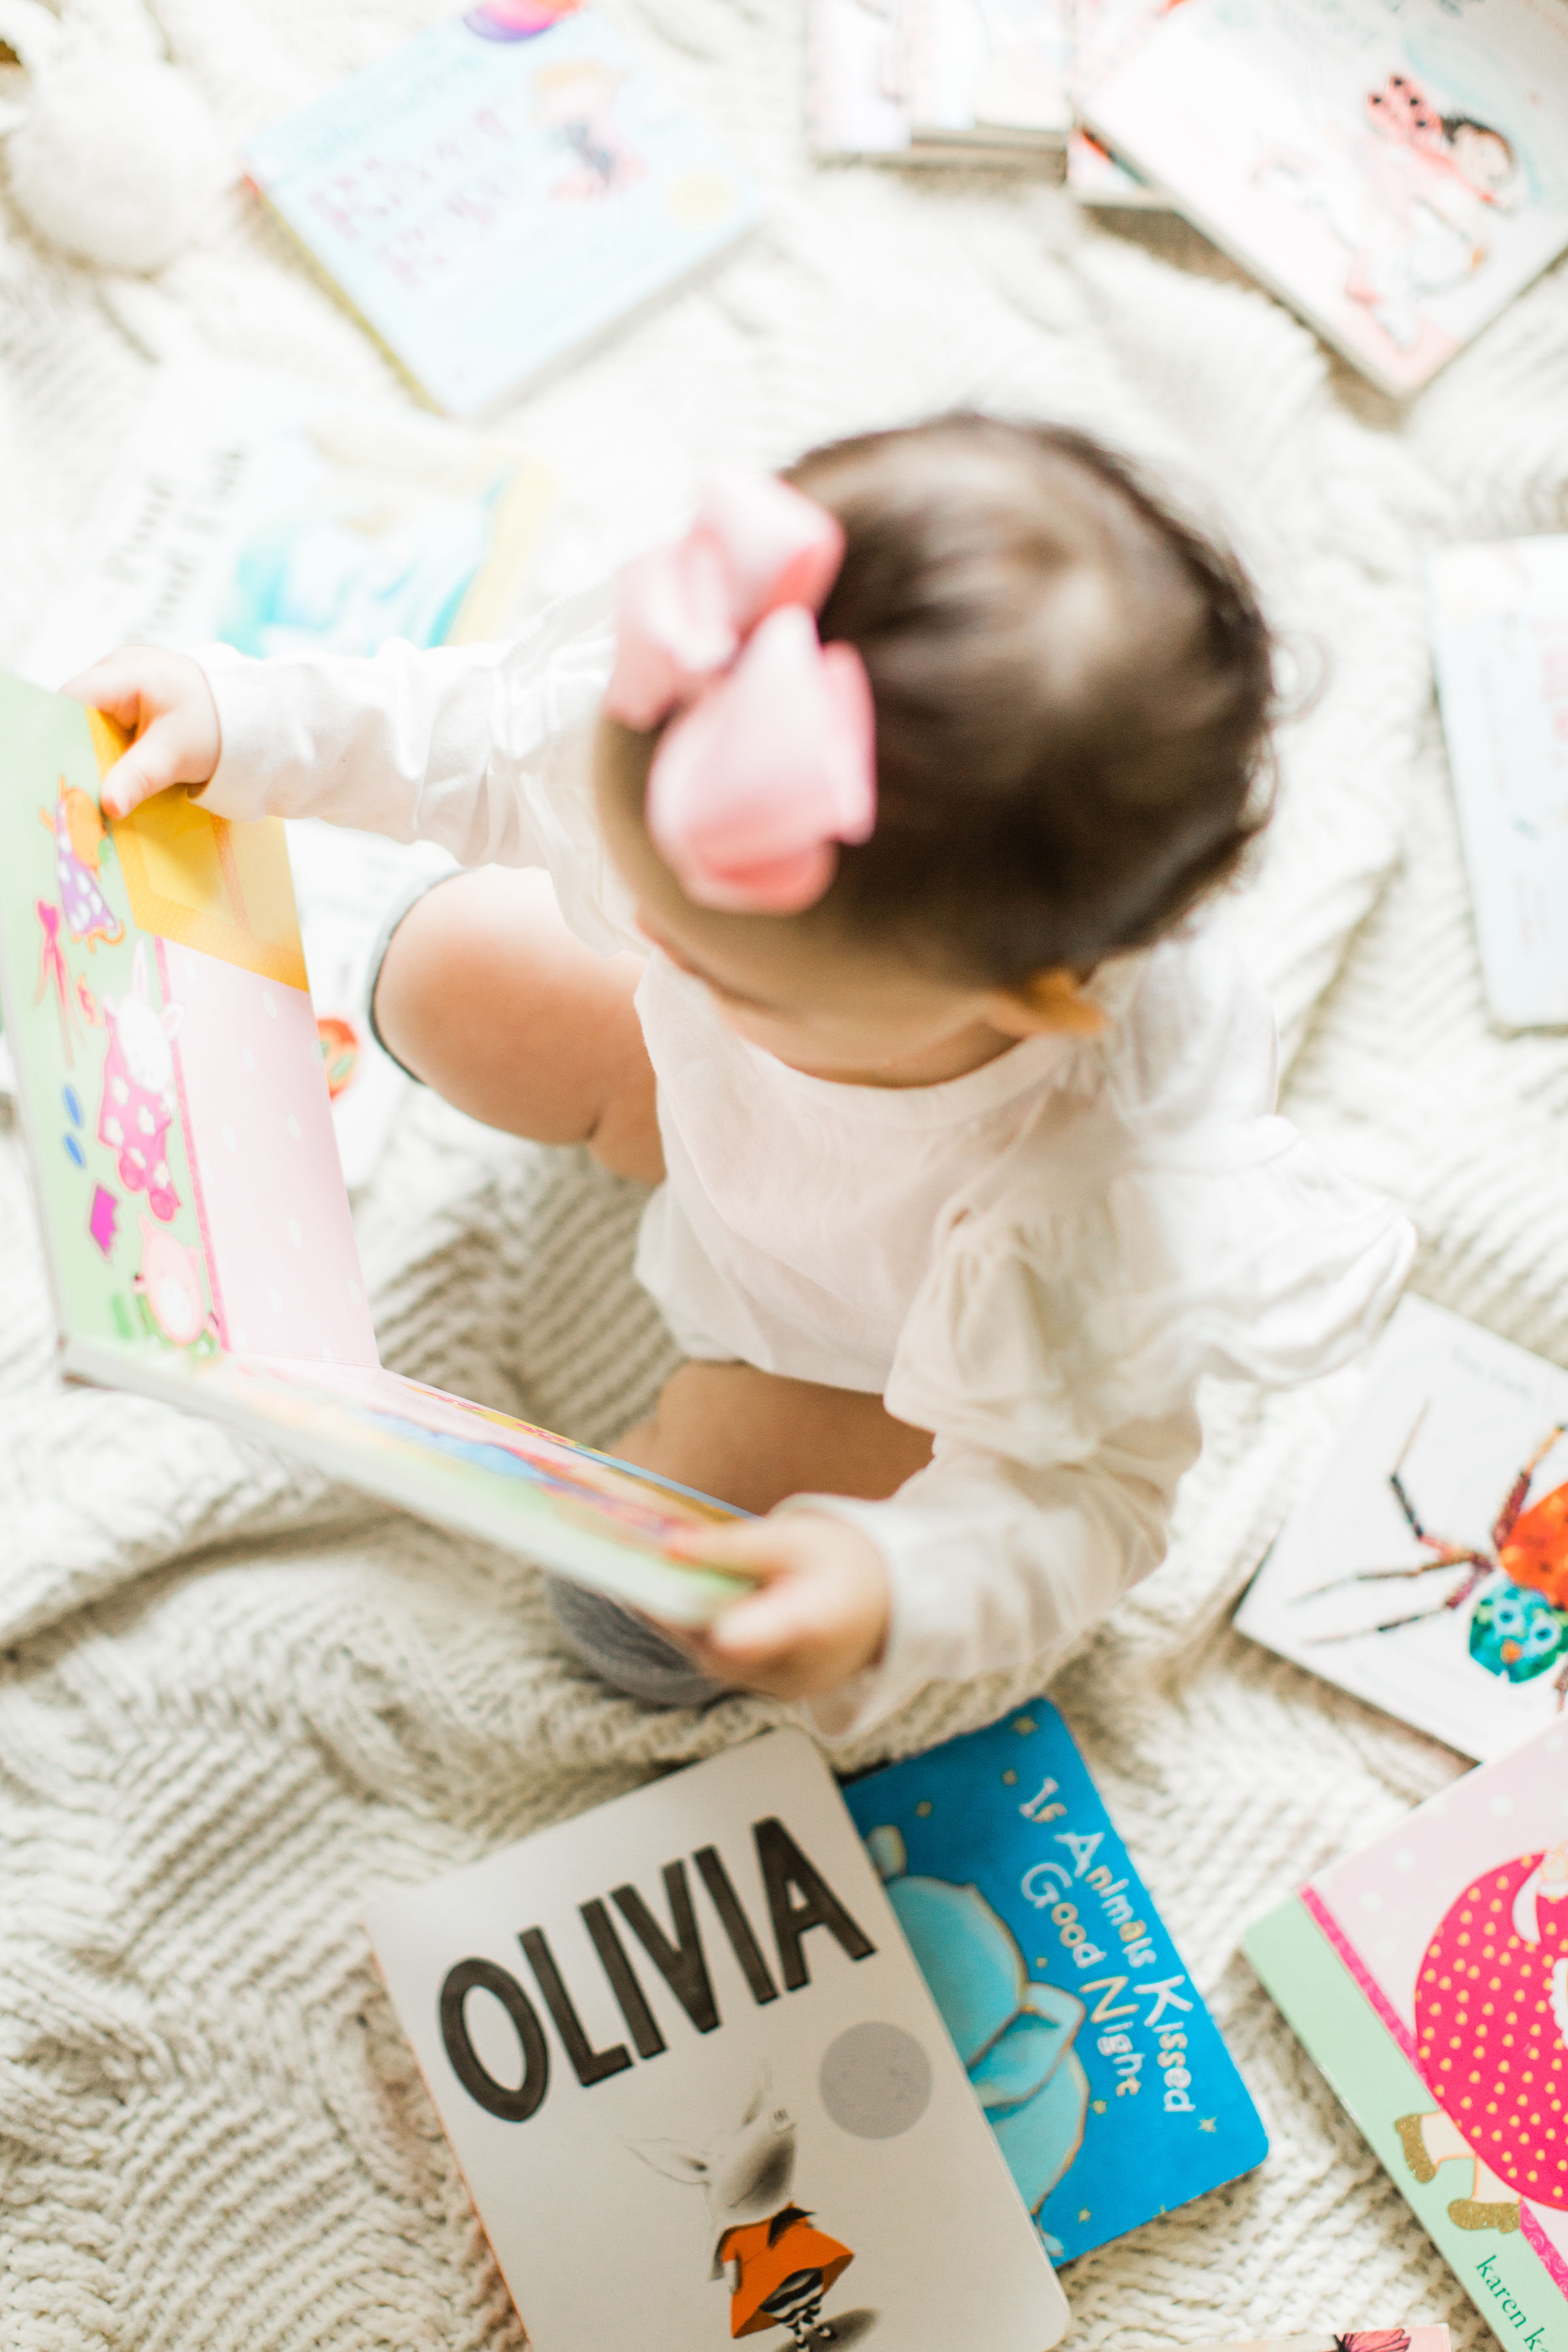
{"x": 1427, "y": 1977}
{"x": 169, "y": 1075}
{"x": 1428, "y": 1571}
{"x": 1500, "y": 636}
{"x": 1112, "y": 2094}
{"x": 498, "y": 190}
{"x": 698, "y": 2087}
{"x": 1396, "y": 172}
{"x": 274, "y": 514}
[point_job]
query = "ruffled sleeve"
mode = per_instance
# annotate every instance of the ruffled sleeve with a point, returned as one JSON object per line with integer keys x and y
{"x": 1041, "y": 1327}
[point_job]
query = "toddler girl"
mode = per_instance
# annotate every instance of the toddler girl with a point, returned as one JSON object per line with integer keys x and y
{"x": 874, "y": 813}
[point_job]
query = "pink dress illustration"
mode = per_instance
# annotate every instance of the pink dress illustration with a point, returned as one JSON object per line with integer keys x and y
{"x": 137, "y": 1106}
{"x": 1492, "y": 2021}
{"x": 77, "y": 828}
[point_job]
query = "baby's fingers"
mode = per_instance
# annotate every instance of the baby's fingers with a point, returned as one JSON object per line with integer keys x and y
{"x": 155, "y": 761}
{"x": 163, "y": 700}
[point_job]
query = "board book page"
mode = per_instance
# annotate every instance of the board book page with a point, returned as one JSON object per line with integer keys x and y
{"x": 1112, "y": 2094}
{"x": 1397, "y": 176}
{"x": 687, "y": 2024}
{"x": 1428, "y": 1571}
{"x": 1425, "y": 1978}
{"x": 1499, "y": 637}
{"x": 498, "y": 190}
{"x": 194, "y": 1218}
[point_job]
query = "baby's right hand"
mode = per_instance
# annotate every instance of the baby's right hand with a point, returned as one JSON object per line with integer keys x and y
{"x": 164, "y": 701}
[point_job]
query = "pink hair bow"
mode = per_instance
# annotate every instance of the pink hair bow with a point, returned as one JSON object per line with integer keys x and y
{"x": 772, "y": 761}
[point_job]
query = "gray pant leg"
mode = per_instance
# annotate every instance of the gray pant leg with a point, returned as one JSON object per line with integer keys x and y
{"x": 625, "y": 1651}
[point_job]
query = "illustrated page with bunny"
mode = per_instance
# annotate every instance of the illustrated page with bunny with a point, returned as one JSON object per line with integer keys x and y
{"x": 696, "y": 2085}
{"x": 1428, "y": 1977}
{"x": 170, "y": 1075}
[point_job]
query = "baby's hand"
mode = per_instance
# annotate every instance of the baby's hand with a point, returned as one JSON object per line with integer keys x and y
{"x": 821, "y": 1614}
{"x": 163, "y": 700}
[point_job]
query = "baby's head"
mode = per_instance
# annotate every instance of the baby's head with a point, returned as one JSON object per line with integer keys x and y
{"x": 1071, "y": 690}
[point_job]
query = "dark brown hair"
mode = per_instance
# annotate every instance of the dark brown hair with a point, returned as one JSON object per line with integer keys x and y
{"x": 1073, "y": 694}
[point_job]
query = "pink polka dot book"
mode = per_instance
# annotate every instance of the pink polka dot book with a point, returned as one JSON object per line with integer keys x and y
{"x": 1427, "y": 1977}
{"x": 193, "y": 1214}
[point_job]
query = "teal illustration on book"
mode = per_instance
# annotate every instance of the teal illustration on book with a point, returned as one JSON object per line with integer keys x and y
{"x": 1112, "y": 2094}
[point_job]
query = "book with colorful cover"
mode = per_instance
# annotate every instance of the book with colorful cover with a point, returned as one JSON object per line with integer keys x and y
{"x": 989, "y": 73}
{"x": 1397, "y": 176}
{"x": 1427, "y": 1571}
{"x": 1112, "y": 2094}
{"x": 697, "y": 2087}
{"x": 1426, "y": 1977}
{"x": 193, "y": 1216}
{"x": 498, "y": 191}
{"x": 1500, "y": 638}
{"x": 274, "y": 514}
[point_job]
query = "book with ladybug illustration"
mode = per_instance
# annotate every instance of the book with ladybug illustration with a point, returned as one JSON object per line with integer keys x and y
{"x": 1427, "y": 1571}
{"x": 698, "y": 2087}
{"x": 1427, "y": 1977}
{"x": 192, "y": 1208}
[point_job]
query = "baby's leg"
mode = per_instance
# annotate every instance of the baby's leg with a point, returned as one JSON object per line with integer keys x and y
{"x": 485, "y": 994}
{"x": 753, "y": 1437}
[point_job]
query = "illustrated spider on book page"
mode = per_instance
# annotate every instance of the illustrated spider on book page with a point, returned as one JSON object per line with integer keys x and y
{"x": 1520, "y": 1627}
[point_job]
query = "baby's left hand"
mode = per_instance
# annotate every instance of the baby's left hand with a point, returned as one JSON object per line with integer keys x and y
{"x": 821, "y": 1613}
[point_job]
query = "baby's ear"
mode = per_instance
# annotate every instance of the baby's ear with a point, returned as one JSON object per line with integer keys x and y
{"x": 1051, "y": 1000}
{"x": 669, "y": 2156}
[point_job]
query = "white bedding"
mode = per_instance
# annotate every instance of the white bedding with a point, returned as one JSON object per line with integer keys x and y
{"x": 233, "y": 1702}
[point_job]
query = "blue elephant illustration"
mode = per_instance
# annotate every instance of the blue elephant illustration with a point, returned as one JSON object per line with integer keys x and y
{"x": 1014, "y": 2034}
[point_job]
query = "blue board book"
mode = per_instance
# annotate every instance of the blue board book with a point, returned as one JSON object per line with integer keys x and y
{"x": 1102, "y": 2074}
{"x": 498, "y": 191}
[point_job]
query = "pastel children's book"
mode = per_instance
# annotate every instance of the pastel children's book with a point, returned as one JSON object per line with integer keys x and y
{"x": 1499, "y": 637}
{"x": 1348, "y": 2339}
{"x": 1428, "y": 1571}
{"x": 1428, "y": 1979}
{"x": 497, "y": 191}
{"x": 698, "y": 2088}
{"x": 1396, "y": 173}
{"x": 274, "y": 514}
{"x": 1112, "y": 2094}
{"x": 989, "y": 73}
{"x": 195, "y": 1219}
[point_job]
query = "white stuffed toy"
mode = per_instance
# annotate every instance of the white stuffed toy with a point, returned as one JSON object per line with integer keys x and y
{"x": 114, "y": 159}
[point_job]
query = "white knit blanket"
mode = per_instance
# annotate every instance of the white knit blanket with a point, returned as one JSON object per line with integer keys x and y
{"x": 234, "y": 1702}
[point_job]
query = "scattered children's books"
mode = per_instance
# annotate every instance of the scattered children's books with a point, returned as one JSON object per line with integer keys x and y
{"x": 856, "y": 103}
{"x": 698, "y": 2088}
{"x": 256, "y": 508}
{"x": 196, "y": 1223}
{"x": 1348, "y": 2339}
{"x": 1104, "y": 33}
{"x": 989, "y": 73}
{"x": 498, "y": 190}
{"x": 1499, "y": 627}
{"x": 1104, "y": 2078}
{"x": 1428, "y": 1571}
{"x": 1426, "y": 1977}
{"x": 1397, "y": 176}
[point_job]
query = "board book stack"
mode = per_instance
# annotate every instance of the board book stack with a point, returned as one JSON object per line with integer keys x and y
{"x": 1500, "y": 632}
{"x": 939, "y": 81}
{"x": 698, "y": 2088}
{"x": 255, "y": 507}
{"x": 496, "y": 191}
{"x": 1112, "y": 2094}
{"x": 1396, "y": 174}
{"x": 1428, "y": 1571}
{"x": 1427, "y": 1978}
{"x": 193, "y": 1216}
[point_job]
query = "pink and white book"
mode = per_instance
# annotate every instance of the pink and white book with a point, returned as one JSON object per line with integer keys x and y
{"x": 1395, "y": 175}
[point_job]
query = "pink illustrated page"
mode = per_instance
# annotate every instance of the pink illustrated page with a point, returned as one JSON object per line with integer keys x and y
{"x": 1456, "y": 1929}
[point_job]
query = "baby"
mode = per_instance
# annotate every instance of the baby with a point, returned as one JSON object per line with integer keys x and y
{"x": 874, "y": 813}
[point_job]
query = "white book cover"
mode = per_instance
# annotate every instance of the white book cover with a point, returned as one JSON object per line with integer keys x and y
{"x": 990, "y": 72}
{"x": 1500, "y": 638}
{"x": 1428, "y": 1571}
{"x": 253, "y": 507}
{"x": 855, "y": 104}
{"x": 696, "y": 2085}
{"x": 1397, "y": 174}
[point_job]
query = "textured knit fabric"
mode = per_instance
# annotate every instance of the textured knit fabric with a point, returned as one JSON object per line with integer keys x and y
{"x": 235, "y": 1707}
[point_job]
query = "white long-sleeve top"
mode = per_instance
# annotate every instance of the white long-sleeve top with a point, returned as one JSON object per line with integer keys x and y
{"x": 1035, "y": 1261}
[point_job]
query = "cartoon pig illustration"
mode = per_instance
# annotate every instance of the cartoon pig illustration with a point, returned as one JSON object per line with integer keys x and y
{"x": 781, "y": 2266}
{"x": 138, "y": 1102}
{"x": 170, "y": 1284}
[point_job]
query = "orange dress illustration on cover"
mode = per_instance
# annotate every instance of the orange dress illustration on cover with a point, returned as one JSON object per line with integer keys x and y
{"x": 767, "y": 2255}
